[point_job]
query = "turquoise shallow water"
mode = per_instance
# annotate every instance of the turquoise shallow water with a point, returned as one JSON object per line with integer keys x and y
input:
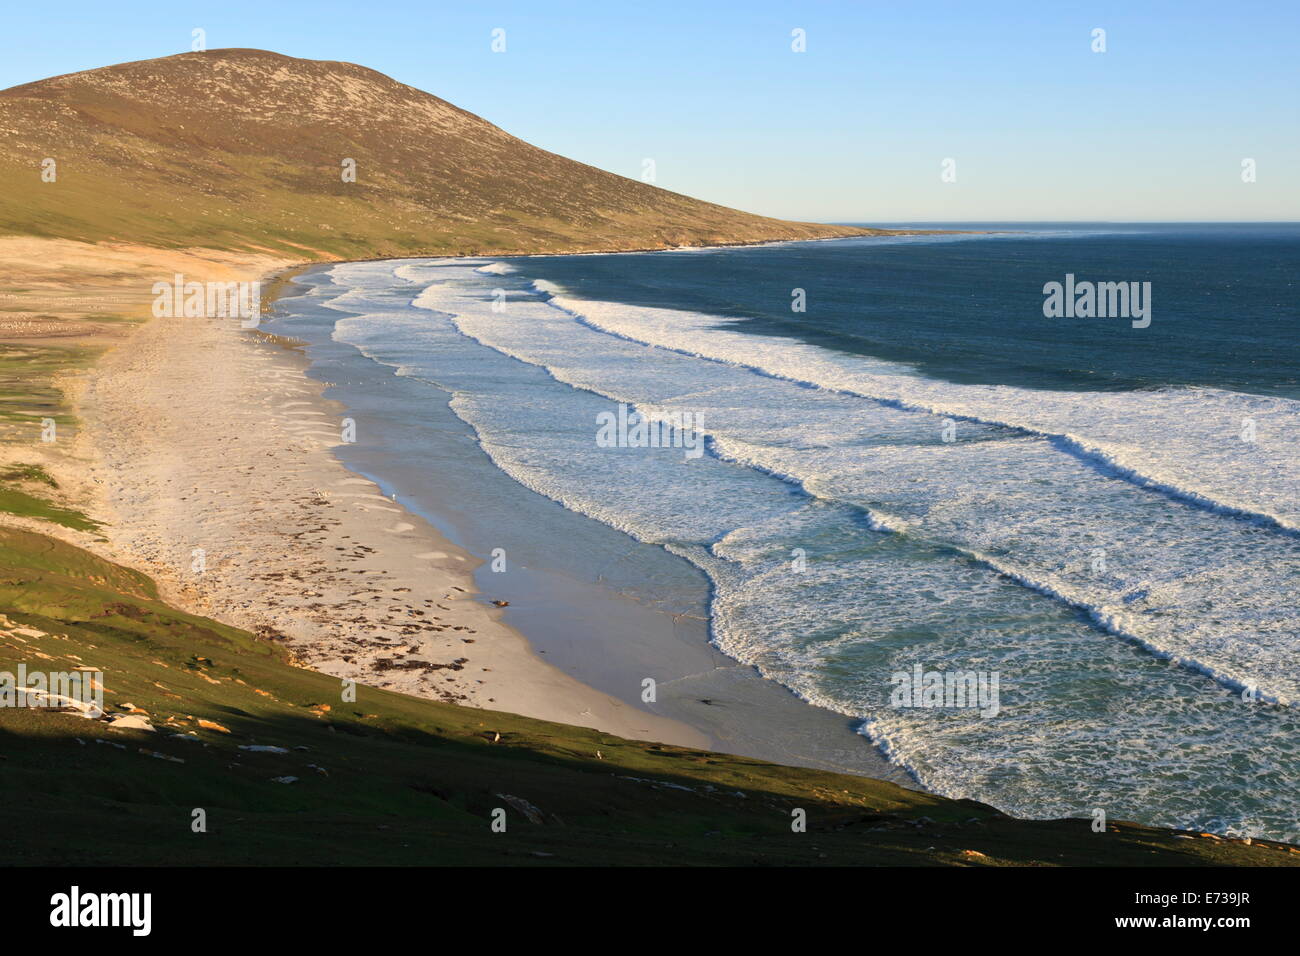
{"x": 1089, "y": 526}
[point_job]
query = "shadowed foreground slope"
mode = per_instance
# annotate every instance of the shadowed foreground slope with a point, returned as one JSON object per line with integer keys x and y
{"x": 397, "y": 780}
{"x": 244, "y": 149}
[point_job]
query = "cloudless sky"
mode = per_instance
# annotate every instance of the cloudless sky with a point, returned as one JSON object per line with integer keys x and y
{"x": 854, "y": 129}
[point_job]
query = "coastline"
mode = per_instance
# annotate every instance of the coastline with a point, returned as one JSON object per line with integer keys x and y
{"x": 506, "y": 539}
{"x": 584, "y": 609}
{"x": 175, "y": 424}
{"x": 282, "y": 540}
{"x": 284, "y": 368}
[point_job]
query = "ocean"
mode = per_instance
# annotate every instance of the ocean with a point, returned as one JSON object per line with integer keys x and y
{"x": 880, "y": 464}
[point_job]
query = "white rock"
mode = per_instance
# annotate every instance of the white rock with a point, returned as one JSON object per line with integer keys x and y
{"x": 130, "y": 722}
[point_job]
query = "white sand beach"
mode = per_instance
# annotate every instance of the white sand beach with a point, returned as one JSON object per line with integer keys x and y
{"x": 209, "y": 453}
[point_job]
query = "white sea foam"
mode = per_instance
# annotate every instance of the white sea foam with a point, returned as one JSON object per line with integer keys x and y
{"x": 1185, "y": 441}
{"x": 497, "y": 269}
{"x": 1017, "y": 502}
{"x": 977, "y": 553}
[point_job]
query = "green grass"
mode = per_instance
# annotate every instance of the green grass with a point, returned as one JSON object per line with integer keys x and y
{"x": 20, "y": 503}
{"x": 413, "y": 781}
{"x": 28, "y": 393}
{"x": 23, "y": 472}
{"x": 15, "y": 501}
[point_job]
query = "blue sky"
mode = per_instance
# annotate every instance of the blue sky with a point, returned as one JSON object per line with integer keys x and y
{"x": 854, "y": 129}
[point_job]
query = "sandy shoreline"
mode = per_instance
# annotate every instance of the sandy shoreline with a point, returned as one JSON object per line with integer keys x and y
{"x": 213, "y": 468}
{"x": 215, "y": 462}
{"x": 582, "y": 605}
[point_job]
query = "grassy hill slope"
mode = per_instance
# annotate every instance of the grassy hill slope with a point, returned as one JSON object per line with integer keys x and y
{"x": 241, "y": 149}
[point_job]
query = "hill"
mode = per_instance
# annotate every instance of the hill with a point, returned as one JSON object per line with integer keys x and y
{"x": 244, "y": 149}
